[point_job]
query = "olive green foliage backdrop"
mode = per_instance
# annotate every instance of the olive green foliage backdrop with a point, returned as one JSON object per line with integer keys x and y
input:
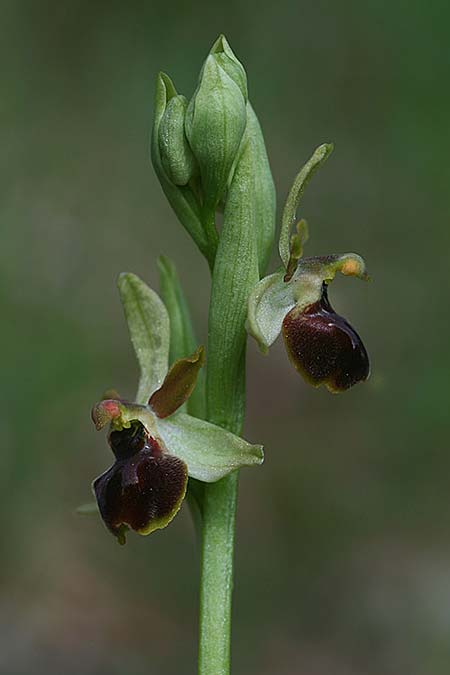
{"x": 343, "y": 562}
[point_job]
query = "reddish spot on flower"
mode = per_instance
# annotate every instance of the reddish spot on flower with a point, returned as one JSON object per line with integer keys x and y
{"x": 104, "y": 412}
{"x": 112, "y": 408}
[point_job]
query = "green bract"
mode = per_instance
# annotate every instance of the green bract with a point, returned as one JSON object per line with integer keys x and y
{"x": 264, "y": 197}
{"x": 156, "y": 447}
{"x": 196, "y": 148}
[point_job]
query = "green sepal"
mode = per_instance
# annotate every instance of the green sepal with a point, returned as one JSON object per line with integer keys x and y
{"x": 269, "y": 302}
{"x": 215, "y": 124}
{"x": 209, "y": 451}
{"x": 295, "y": 195}
{"x": 148, "y": 324}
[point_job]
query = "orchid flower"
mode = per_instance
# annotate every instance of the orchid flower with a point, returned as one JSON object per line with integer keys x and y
{"x": 156, "y": 445}
{"x": 323, "y": 347}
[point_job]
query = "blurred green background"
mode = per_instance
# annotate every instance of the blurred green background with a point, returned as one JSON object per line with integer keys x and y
{"x": 343, "y": 559}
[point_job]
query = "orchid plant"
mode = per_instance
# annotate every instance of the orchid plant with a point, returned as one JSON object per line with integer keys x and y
{"x": 181, "y": 436}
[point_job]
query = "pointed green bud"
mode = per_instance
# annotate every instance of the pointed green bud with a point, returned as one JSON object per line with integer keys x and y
{"x": 176, "y": 156}
{"x": 215, "y": 124}
{"x": 227, "y": 59}
{"x": 182, "y": 198}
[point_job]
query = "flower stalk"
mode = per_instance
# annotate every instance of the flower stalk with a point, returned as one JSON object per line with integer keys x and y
{"x": 181, "y": 435}
{"x": 235, "y": 274}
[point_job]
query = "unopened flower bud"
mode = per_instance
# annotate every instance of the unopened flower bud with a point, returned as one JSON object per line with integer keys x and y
{"x": 227, "y": 59}
{"x": 215, "y": 124}
{"x": 176, "y": 156}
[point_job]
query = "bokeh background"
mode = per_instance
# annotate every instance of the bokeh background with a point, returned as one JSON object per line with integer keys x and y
{"x": 343, "y": 559}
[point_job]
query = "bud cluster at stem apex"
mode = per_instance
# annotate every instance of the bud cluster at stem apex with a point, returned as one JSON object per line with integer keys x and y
{"x": 201, "y": 138}
{"x": 196, "y": 146}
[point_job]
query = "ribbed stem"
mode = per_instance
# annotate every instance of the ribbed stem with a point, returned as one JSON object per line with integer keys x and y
{"x": 219, "y": 517}
{"x": 235, "y": 274}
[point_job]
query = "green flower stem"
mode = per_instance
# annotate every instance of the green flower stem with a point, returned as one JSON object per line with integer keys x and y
{"x": 225, "y": 139}
{"x": 219, "y": 517}
{"x": 235, "y": 274}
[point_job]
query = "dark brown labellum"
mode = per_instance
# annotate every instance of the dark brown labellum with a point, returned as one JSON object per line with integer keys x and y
{"x": 324, "y": 347}
{"x": 128, "y": 442}
{"x": 144, "y": 488}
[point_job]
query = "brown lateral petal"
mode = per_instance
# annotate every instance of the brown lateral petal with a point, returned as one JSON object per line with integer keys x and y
{"x": 141, "y": 491}
{"x": 178, "y": 384}
{"x": 324, "y": 347}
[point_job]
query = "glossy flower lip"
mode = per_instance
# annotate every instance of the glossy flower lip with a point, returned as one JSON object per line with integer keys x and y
{"x": 144, "y": 488}
{"x": 323, "y": 347}
{"x": 321, "y": 344}
{"x": 274, "y": 296}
